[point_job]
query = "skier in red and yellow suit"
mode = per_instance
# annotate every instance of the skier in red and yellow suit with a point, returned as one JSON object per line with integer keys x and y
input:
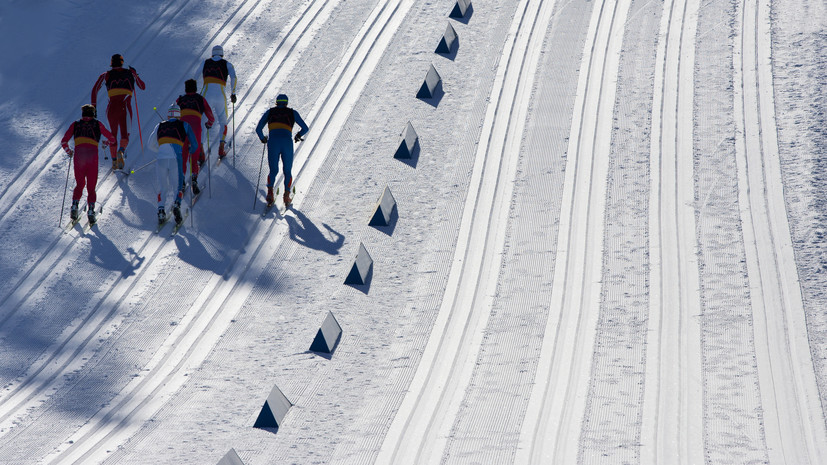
{"x": 120, "y": 84}
{"x": 193, "y": 105}
{"x": 86, "y": 133}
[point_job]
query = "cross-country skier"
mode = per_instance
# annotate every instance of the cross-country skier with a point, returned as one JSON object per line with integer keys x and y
{"x": 86, "y": 133}
{"x": 215, "y": 72}
{"x": 280, "y": 120}
{"x": 120, "y": 85}
{"x": 193, "y": 105}
{"x": 168, "y": 139}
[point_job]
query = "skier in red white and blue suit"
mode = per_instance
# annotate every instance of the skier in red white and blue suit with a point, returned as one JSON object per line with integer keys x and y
{"x": 280, "y": 120}
{"x": 193, "y": 105}
{"x": 168, "y": 140}
{"x": 217, "y": 74}
{"x": 120, "y": 85}
{"x": 86, "y": 133}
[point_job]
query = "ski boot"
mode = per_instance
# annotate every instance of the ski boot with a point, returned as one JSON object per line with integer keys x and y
{"x": 221, "y": 152}
{"x": 195, "y": 189}
{"x": 74, "y": 213}
{"x": 287, "y": 199}
{"x": 271, "y": 199}
{"x": 176, "y": 211}
{"x": 120, "y": 159}
{"x": 162, "y": 216}
{"x": 92, "y": 214}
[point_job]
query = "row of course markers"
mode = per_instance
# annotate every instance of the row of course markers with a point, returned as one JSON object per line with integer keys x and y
{"x": 384, "y": 214}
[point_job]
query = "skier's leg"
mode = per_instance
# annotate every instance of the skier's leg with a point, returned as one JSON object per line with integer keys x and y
{"x": 92, "y": 179}
{"x": 80, "y": 179}
{"x": 185, "y": 155}
{"x": 124, "y": 109}
{"x": 287, "y": 162}
{"x": 273, "y": 154}
{"x": 87, "y": 158}
{"x": 162, "y": 180}
{"x": 195, "y": 157}
{"x": 112, "y": 117}
{"x": 181, "y": 181}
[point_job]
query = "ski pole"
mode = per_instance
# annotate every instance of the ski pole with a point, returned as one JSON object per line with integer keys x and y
{"x": 138, "y": 114}
{"x": 233, "y": 134}
{"x": 63, "y": 204}
{"x": 209, "y": 168}
{"x": 260, "y": 167}
{"x": 142, "y": 167}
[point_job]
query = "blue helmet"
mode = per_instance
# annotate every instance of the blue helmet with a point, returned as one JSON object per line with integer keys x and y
{"x": 281, "y": 100}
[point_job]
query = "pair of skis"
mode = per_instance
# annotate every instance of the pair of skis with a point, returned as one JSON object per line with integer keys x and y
{"x": 269, "y": 206}
{"x": 87, "y": 226}
{"x": 178, "y": 225}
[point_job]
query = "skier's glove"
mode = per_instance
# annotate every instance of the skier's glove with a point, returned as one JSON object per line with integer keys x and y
{"x": 232, "y": 98}
{"x": 297, "y": 138}
{"x": 264, "y": 140}
{"x": 208, "y": 125}
{"x": 69, "y": 153}
{"x": 105, "y": 144}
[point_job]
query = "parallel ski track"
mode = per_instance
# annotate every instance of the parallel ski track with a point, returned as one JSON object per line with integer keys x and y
{"x": 672, "y": 419}
{"x": 109, "y": 182}
{"x": 420, "y": 430}
{"x": 554, "y": 416}
{"x": 65, "y": 353}
{"x": 792, "y": 412}
{"x": 210, "y": 315}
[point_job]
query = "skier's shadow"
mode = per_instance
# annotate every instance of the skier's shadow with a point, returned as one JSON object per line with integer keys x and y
{"x": 106, "y": 255}
{"x": 191, "y": 250}
{"x": 304, "y": 232}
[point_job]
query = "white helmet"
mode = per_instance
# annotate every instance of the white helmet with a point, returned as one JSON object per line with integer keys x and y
{"x": 174, "y": 112}
{"x": 218, "y": 50}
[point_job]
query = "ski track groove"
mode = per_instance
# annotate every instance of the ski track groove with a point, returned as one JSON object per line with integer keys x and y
{"x": 519, "y": 310}
{"x": 793, "y": 421}
{"x": 672, "y": 421}
{"x": 153, "y": 244}
{"x": 554, "y": 419}
{"x": 147, "y": 393}
{"x": 611, "y": 432}
{"x": 420, "y": 428}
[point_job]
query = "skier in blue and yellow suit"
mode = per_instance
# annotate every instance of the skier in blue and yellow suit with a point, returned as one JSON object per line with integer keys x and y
{"x": 280, "y": 120}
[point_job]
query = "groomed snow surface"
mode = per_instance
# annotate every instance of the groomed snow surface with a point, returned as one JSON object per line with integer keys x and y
{"x": 608, "y": 248}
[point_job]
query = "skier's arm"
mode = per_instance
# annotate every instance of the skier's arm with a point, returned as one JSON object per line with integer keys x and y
{"x": 192, "y": 139}
{"x": 153, "y": 139}
{"x": 96, "y": 88}
{"x": 138, "y": 80}
{"x": 65, "y": 141}
{"x": 261, "y": 123}
{"x": 233, "y": 80}
{"x": 208, "y": 113}
{"x": 105, "y": 132}
{"x": 301, "y": 124}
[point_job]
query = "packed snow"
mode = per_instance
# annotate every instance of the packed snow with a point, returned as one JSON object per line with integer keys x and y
{"x": 608, "y": 245}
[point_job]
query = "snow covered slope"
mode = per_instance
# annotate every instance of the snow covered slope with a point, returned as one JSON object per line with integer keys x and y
{"x": 607, "y": 249}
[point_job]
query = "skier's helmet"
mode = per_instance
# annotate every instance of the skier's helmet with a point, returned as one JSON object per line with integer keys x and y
{"x": 117, "y": 60}
{"x": 281, "y": 100}
{"x": 190, "y": 85}
{"x": 88, "y": 110}
{"x": 218, "y": 50}
{"x": 174, "y": 112}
